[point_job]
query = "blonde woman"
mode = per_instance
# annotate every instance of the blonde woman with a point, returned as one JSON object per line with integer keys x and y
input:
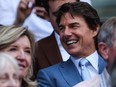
{"x": 19, "y": 42}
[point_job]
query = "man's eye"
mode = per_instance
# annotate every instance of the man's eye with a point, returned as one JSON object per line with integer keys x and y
{"x": 61, "y": 28}
{"x": 74, "y": 26}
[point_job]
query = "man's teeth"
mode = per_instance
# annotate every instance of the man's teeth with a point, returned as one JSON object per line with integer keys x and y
{"x": 71, "y": 42}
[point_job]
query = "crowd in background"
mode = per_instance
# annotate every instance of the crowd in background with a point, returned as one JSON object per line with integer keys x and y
{"x": 43, "y": 41}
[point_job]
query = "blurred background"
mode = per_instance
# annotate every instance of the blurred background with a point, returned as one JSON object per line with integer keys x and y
{"x": 105, "y": 8}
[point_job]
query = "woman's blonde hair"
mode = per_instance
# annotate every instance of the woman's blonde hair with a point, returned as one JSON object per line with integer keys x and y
{"x": 9, "y": 34}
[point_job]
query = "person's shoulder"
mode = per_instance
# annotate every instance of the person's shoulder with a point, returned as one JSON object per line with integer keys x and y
{"x": 53, "y": 67}
{"x": 46, "y": 39}
{"x": 53, "y": 71}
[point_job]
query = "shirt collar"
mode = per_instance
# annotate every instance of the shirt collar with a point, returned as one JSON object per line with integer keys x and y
{"x": 93, "y": 59}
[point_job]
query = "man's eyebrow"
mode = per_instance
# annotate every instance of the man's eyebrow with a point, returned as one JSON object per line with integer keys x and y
{"x": 60, "y": 25}
{"x": 75, "y": 23}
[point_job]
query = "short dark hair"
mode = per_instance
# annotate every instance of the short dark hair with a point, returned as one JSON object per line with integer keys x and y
{"x": 46, "y": 5}
{"x": 82, "y": 9}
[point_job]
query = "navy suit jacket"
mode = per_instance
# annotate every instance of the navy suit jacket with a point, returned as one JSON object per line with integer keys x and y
{"x": 64, "y": 74}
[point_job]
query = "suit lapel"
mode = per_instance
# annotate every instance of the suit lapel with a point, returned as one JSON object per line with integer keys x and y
{"x": 102, "y": 64}
{"x": 70, "y": 73}
{"x": 53, "y": 55}
{"x": 105, "y": 78}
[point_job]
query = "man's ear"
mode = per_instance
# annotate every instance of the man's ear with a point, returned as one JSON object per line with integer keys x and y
{"x": 103, "y": 50}
{"x": 95, "y": 32}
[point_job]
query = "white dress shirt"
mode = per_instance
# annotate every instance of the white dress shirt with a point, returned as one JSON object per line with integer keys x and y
{"x": 64, "y": 54}
{"x": 93, "y": 59}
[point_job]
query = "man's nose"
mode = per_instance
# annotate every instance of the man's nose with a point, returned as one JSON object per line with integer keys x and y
{"x": 67, "y": 31}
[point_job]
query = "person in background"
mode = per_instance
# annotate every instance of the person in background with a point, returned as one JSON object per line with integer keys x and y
{"x": 27, "y": 13}
{"x": 9, "y": 71}
{"x": 19, "y": 43}
{"x": 107, "y": 41}
{"x": 49, "y": 50}
{"x": 78, "y": 24}
{"x": 107, "y": 46}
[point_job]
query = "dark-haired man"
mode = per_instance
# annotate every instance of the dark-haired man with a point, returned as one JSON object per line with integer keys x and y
{"x": 78, "y": 26}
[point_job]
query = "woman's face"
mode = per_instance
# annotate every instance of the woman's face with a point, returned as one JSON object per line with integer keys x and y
{"x": 21, "y": 51}
{"x": 9, "y": 78}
